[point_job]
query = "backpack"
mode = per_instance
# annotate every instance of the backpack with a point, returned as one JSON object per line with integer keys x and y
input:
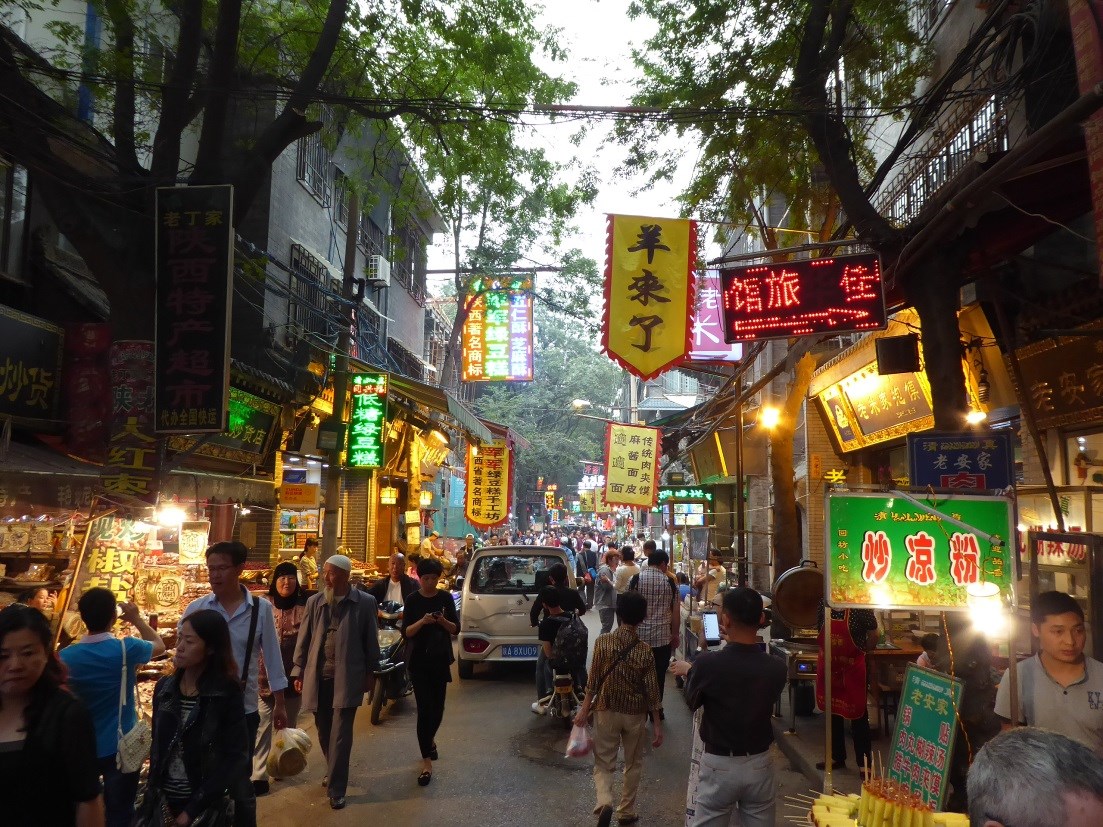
{"x": 572, "y": 641}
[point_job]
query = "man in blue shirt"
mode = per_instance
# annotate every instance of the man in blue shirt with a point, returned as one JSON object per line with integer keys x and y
{"x": 233, "y": 601}
{"x": 95, "y": 667}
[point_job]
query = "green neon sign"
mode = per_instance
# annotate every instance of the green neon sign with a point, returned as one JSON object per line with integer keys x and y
{"x": 684, "y": 494}
{"x": 367, "y": 420}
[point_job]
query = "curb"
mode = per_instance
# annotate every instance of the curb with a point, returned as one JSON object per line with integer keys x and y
{"x": 798, "y": 760}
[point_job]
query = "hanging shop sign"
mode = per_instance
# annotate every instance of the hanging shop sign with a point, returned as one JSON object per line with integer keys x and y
{"x": 668, "y": 492}
{"x": 497, "y": 334}
{"x": 976, "y": 460}
{"x": 866, "y": 408}
{"x": 803, "y": 298}
{"x": 110, "y": 560}
{"x": 889, "y": 552}
{"x": 195, "y": 246}
{"x": 631, "y": 465}
{"x": 31, "y": 366}
{"x": 707, "y": 342}
{"x": 926, "y": 727}
{"x": 489, "y": 482}
{"x": 1063, "y": 381}
{"x": 131, "y": 466}
{"x": 252, "y": 422}
{"x": 649, "y": 283}
{"x": 299, "y": 495}
{"x": 367, "y": 420}
{"x": 586, "y": 501}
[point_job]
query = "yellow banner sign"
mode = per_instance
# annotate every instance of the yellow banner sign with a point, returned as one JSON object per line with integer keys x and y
{"x": 648, "y": 292}
{"x": 586, "y": 501}
{"x": 489, "y": 474}
{"x": 631, "y": 465}
{"x": 600, "y": 505}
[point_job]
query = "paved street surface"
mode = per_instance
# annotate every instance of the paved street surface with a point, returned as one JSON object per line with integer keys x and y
{"x": 500, "y": 765}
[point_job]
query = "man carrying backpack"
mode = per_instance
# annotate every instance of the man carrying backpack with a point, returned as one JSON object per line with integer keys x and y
{"x": 564, "y": 638}
{"x": 586, "y": 572}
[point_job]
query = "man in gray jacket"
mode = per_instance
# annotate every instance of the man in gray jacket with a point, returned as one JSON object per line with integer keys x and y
{"x": 335, "y": 658}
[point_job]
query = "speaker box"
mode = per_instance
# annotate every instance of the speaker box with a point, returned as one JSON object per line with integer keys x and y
{"x": 897, "y": 354}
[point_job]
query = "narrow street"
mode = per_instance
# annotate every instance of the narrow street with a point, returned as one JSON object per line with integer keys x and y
{"x": 500, "y": 765}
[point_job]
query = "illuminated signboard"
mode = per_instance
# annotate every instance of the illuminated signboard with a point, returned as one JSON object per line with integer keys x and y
{"x": 368, "y": 420}
{"x": 706, "y": 336}
{"x": 666, "y": 493}
{"x": 803, "y": 298}
{"x": 867, "y": 408}
{"x": 497, "y": 334}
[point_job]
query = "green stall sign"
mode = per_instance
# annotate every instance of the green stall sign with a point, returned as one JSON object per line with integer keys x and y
{"x": 367, "y": 420}
{"x": 925, "y": 731}
{"x": 888, "y": 551}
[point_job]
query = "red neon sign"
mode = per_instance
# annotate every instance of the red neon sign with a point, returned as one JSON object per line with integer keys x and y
{"x": 803, "y": 298}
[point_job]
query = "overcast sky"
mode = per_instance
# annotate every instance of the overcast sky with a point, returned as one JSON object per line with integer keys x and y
{"x": 599, "y": 36}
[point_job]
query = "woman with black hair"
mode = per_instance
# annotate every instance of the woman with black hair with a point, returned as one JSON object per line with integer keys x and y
{"x": 49, "y": 775}
{"x": 429, "y": 623}
{"x": 307, "y": 563}
{"x": 199, "y": 735}
{"x": 288, "y": 599}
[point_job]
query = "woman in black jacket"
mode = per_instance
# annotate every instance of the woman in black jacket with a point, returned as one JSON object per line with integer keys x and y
{"x": 199, "y": 735}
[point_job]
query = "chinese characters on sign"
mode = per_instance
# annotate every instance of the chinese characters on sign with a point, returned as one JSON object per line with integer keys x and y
{"x": 30, "y": 366}
{"x": 649, "y": 281}
{"x": 884, "y": 551}
{"x": 111, "y": 556}
{"x": 193, "y": 542}
{"x": 866, "y": 408}
{"x": 489, "y": 483}
{"x": 974, "y": 460}
{"x": 926, "y": 726}
{"x": 707, "y": 331}
{"x": 252, "y": 421}
{"x": 1064, "y": 381}
{"x": 802, "y": 298}
{"x": 194, "y": 284}
{"x": 497, "y": 335}
{"x": 367, "y": 420}
{"x": 631, "y": 465}
{"x": 131, "y": 466}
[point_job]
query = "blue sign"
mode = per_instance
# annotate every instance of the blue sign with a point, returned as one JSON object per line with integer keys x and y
{"x": 978, "y": 460}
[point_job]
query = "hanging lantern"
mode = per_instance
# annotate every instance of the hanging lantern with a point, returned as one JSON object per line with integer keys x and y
{"x": 388, "y": 495}
{"x": 425, "y": 498}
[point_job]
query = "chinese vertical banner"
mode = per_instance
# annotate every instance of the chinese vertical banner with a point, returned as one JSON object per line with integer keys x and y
{"x": 497, "y": 334}
{"x": 631, "y": 465}
{"x": 1087, "y": 45}
{"x": 195, "y": 256}
{"x": 489, "y": 481}
{"x": 367, "y": 421}
{"x": 132, "y": 452}
{"x": 649, "y": 283}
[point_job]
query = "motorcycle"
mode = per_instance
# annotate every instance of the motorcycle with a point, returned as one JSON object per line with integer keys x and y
{"x": 392, "y": 680}
{"x": 564, "y": 700}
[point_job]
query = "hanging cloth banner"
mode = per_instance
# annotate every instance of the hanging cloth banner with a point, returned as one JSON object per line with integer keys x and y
{"x": 489, "y": 483}
{"x": 649, "y": 283}
{"x": 631, "y": 465}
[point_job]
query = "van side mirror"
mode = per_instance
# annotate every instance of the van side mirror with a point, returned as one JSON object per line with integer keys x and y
{"x": 458, "y": 583}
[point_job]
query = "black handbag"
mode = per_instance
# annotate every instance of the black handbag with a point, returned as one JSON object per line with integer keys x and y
{"x": 155, "y": 812}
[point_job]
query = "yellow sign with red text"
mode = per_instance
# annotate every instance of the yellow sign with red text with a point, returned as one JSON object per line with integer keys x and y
{"x": 632, "y": 465}
{"x": 488, "y": 483}
{"x": 649, "y": 281}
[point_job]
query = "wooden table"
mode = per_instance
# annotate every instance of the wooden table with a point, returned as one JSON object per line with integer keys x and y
{"x": 875, "y": 659}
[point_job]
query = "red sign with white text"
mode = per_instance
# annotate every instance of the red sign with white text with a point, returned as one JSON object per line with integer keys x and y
{"x": 803, "y": 298}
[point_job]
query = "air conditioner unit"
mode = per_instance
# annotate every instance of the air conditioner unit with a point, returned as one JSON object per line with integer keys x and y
{"x": 379, "y": 271}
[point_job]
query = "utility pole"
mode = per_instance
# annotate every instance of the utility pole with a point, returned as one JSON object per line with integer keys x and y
{"x": 335, "y": 473}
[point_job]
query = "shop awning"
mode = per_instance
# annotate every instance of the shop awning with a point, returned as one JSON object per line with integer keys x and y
{"x": 442, "y": 401}
{"x": 19, "y": 458}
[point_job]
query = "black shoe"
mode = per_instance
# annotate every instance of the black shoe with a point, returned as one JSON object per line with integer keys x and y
{"x": 605, "y": 817}
{"x": 835, "y": 765}
{"x": 337, "y": 803}
{"x": 433, "y": 754}
{"x": 424, "y": 779}
{"x": 260, "y": 788}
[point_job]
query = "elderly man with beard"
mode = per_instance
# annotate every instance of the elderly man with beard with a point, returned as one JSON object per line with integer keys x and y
{"x": 335, "y": 658}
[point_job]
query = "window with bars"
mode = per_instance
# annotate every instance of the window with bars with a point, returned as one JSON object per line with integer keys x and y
{"x": 306, "y": 308}
{"x": 314, "y": 161}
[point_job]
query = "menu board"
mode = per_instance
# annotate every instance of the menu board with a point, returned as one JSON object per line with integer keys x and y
{"x": 926, "y": 727}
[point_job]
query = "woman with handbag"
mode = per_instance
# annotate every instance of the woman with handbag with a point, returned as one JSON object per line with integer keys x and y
{"x": 48, "y": 771}
{"x": 429, "y": 624}
{"x": 200, "y": 748}
{"x": 103, "y": 674}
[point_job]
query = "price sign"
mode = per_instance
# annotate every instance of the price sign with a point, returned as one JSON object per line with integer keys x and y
{"x": 925, "y": 730}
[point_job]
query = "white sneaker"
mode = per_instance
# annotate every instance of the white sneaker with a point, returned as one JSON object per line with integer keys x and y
{"x": 539, "y": 708}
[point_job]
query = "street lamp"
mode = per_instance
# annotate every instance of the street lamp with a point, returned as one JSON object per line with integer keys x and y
{"x": 769, "y": 417}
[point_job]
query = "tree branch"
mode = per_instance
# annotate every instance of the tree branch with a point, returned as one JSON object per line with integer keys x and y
{"x": 220, "y": 82}
{"x": 123, "y": 109}
{"x": 175, "y": 112}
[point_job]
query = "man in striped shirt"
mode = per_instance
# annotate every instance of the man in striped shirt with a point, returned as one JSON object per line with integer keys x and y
{"x": 622, "y": 691}
{"x": 660, "y": 629}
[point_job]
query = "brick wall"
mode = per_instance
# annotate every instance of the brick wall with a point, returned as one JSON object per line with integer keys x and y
{"x": 355, "y": 493}
{"x": 810, "y": 491}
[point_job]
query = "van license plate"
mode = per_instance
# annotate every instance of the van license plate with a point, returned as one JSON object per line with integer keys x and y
{"x": 520, "y": 651}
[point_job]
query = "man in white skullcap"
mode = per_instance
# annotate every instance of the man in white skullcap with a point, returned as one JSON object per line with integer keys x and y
{"x": 335, "y": 658}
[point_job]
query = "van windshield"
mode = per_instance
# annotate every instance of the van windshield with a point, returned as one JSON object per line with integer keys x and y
{"x": 511, "y": 574}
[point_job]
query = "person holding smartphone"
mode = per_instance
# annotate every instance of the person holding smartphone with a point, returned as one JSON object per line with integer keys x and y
{"x": 429, "y": 624}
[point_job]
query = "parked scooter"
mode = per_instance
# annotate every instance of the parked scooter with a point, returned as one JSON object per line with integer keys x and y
{"x": 564, "y": 700}
{"x": 392, "y": 680}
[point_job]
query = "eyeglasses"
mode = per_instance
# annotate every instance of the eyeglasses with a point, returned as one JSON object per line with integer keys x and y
{"x": 220, "y": 569}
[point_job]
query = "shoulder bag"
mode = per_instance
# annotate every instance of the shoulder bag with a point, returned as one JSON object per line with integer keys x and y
{"x": 249, "y": 644}
{"x": 134, "y": 745}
